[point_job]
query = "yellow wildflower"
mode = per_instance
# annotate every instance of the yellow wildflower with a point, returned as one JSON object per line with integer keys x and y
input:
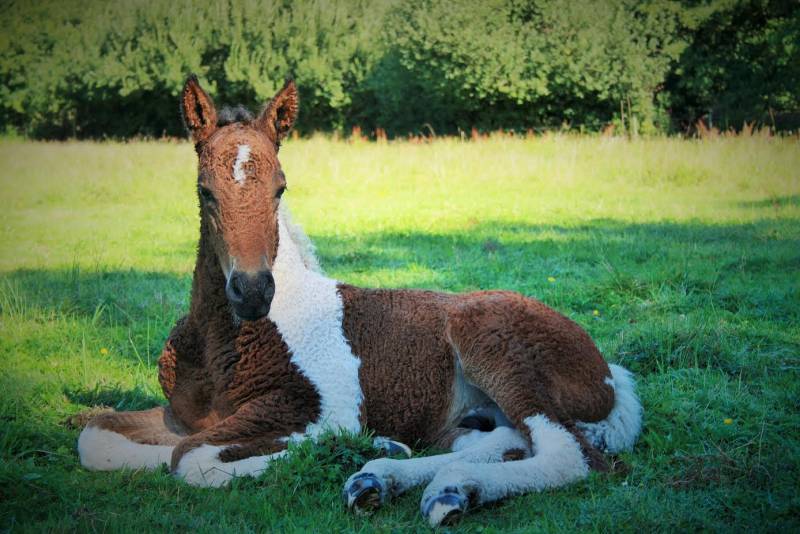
{"x": 728, "y": 421}
{"x": 551, "y": 279}
{"x": 596, "y": 313}
{"x": 104, "y": 351}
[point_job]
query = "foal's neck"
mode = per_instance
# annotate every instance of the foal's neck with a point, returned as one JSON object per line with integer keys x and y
{"x": 295, "y": 264}
{"x": 208, "y": 299}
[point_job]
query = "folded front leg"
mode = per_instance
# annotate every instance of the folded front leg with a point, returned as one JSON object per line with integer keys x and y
{"x": 135, "y": 440}
{"x": 242, "y": 444}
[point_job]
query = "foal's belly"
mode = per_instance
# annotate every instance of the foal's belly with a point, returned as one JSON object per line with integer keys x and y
{"x": 408, "y": 397}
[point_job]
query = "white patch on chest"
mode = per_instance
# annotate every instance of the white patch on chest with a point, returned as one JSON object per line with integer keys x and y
{"x": 308, "y": 312}
{"x": 242, "y": 157}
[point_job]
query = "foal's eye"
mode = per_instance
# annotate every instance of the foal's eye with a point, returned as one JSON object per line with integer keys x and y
{"x": 280, "y": 191}
{"x": 207, "y": 195}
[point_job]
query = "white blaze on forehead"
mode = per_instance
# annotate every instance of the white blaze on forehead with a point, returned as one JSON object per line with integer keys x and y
{"x": 242, "y": 157}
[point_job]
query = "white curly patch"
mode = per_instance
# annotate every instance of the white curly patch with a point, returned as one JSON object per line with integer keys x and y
{"x": 305, "y": 247}
{"x": 308, "y": 311}
{"x": 619, "y": 431}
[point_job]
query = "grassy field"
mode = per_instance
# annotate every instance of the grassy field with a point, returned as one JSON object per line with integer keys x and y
{"x": 681, "y": 258}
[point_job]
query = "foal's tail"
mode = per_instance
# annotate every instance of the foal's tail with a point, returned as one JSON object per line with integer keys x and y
{"x": 618, "y": 431}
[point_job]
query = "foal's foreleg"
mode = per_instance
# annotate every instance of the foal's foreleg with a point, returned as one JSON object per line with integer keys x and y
{"x": 384, "y": 478}
{"x": 135, "y": 440}
{"x": 242, "y": 444}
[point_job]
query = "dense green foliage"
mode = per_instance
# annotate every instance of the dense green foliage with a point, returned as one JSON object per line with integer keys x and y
{"x": 90, "y": 68}
{"x": 516, "y": 64}
{"x": 743, "y": 65}
{"x": 687, "y": 250}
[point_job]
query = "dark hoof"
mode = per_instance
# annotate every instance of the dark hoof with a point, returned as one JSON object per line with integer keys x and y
{"x": 391, "y": 448}
{"x": 363, "y": 493}
{"x": 446, "y": 508}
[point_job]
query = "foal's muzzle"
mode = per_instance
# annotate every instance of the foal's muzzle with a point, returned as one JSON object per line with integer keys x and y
{"x": 250, "y": 294}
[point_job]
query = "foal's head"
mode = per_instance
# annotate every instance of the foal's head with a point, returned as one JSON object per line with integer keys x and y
{"x": 240, "y": 183}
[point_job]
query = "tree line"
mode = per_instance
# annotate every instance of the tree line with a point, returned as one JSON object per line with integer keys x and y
{"x": 94, "y": 69}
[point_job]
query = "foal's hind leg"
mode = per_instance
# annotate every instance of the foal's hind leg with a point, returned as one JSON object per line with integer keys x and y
{"x": 543, "y": 371}
{"x": 557, "y": 461}
{"x": 129, "y": 439}
{"x": 384, "y": 478}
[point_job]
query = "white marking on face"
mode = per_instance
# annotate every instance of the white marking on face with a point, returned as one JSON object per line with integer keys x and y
{"x": 242, "y": 157}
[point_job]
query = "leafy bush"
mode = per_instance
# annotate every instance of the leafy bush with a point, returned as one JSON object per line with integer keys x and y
{"x": 71, "y": 69}
{"x": 514, "y": 64}
{"x": 94, "y": 69}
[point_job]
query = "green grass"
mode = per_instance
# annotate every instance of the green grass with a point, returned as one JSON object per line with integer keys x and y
{"x": 688, "y": 251}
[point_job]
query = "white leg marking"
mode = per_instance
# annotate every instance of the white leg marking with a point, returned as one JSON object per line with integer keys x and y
{"x": 398, "y": 476}
{"x": 557, "y": 461}
{"x": 242, "y": 157}
{"x": 439, "y": 511}
{"x": 308, "y": 312}
{"x": 391, "y": 446}
{"x": 619, "y": 431}
{"x": 468, "y": 440}
{"x": 202, "y": 466}
{"x": 104, "y": 450}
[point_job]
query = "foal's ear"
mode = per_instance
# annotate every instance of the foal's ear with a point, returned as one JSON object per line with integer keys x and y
{"x": 198, "y": 110}
{"x": 280, "y": 114}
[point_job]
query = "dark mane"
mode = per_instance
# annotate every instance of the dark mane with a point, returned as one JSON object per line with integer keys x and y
{"x": 232, "y": 114}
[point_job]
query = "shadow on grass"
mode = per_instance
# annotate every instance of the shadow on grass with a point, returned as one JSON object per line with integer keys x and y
{"x": 631, "y": 260}
{"x": 635, "y": 273}
{"x": 638, "y": 247}
{"x": 774, "y": 202}
{"x": 111, "y": 297}
{"x": 113, "y": 396}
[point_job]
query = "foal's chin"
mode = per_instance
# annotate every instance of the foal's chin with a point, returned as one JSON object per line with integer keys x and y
{"x": 249, "y": 314}
{"x": 239, "y": 318}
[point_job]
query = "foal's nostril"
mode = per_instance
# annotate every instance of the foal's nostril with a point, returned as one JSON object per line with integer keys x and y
{"x": 234, "y": 287}
{"x": 267, "y": 283}
{"x": 250, "y": 294}
{"x": 238, "y": 286}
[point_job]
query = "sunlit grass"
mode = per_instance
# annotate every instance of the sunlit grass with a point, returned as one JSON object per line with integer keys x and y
{"x": 680, "y": 257}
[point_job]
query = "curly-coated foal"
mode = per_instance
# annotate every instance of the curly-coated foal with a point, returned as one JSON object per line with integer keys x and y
{"x": 272, "y": 351}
